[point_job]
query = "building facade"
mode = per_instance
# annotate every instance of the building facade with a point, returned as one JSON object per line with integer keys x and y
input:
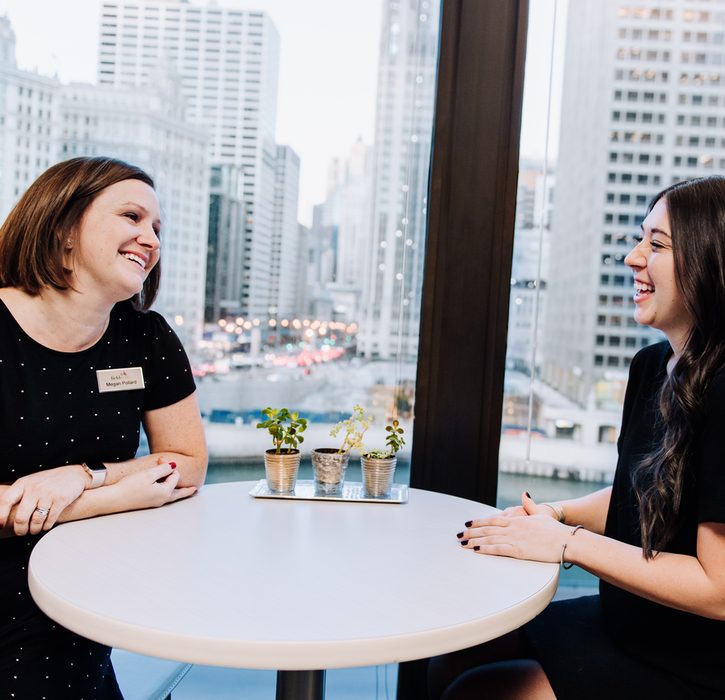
{"x": 401, "y": 158}
{"x": 228, "y": 60}
{"x": 28, "y": 123}
{"x": 642, "y": 107}
{"x": 225, "y": 249}
{"x": 284, "y": 261}
{"x": 530, "y": 267}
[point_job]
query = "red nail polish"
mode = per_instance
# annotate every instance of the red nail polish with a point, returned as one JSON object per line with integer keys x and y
{"x": 172, "y": 465}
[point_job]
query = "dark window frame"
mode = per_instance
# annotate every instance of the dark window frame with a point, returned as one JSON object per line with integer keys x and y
{"x": 464, "y": 314}
{"x": 471, "y": 218}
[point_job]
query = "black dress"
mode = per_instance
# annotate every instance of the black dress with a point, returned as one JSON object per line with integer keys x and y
{"x": 618, "y": 644}
{"x": 51, "y": 414}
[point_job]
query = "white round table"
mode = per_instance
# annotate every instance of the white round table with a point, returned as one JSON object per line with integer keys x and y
{"x": 229, "y": 580}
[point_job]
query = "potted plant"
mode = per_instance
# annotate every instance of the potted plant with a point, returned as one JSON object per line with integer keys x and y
{"x": 378, "y": 466}
{"x": 282, "y": 462}
{"x": 330, "y": 463}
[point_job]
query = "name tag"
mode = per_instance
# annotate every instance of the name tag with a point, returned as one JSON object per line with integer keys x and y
{"x": 125, "y": 379}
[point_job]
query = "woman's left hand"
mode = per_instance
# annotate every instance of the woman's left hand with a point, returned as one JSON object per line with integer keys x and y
{"x": 534, "y": 537}
{"x": 36, "y": 500}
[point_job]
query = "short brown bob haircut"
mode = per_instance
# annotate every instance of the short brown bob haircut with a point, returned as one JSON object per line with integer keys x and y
{"x": 33, "y": 236}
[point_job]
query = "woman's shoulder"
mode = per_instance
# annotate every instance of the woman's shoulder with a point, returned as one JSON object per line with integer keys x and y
{"x": 126, "y": 312}
{"x": 651, "y": 359}
{"x": 716, "y": 388}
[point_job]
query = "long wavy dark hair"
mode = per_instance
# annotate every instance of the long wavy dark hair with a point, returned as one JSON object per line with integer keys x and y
{"x": 696, "y": 210}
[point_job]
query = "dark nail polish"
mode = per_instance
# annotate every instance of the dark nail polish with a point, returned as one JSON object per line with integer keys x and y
{"x": 459, "y": 535}
{"x": 528, "y": 495}
{"x": 172, "y": 465}
{"x": 464, "y": 542}
{"x": 468, "y": 523}
{"x": 476, "y": 548}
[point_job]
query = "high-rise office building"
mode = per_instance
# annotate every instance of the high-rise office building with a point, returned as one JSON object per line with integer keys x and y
{"x": 229, "y": 63}
{"x": 28, "y": 123}
{"x": 530, "y": 265}
{"x": 350, "y": 185}
{"x": 285, "y": 265}
{"x": 341, "y": 226}
{"x": 642, "y": 107}
{"x": 404, "y": 117}
{"x": 225, "y": 250}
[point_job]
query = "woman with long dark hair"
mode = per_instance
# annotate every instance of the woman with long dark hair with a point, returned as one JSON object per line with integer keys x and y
{"x": 83, "y": 363}
{"x": 656, "y": 537}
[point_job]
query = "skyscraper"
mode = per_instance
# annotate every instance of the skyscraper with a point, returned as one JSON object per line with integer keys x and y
{"x": 642, "y": 107}
{"x": 530, "y": 264}
{"x": 285, "y": 250}
{"x": 29, "y": 120}
{"x": 225, "y": 249}
{"x": 403, "y": 128}
{"x": 229, "y": 63}
{"x": 343, "y": 222}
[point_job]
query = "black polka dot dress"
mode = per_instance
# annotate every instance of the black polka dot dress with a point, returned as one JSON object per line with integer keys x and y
{"x": 51, "y": 414}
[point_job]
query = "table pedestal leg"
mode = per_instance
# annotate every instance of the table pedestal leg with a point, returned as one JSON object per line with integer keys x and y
{"x": 300, "y": 685}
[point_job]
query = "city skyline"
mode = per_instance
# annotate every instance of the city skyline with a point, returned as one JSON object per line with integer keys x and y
{"x": 648, "y": 114}
{"x": 320, "y": 118}
{"x": 332, "y": 120}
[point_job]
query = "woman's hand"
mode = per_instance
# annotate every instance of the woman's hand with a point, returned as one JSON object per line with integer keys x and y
{"x": 534, "y": 537}
{"x": 150, "y": 488}
{"x": 34, "y": 502}
{"x": 527, "y": 507}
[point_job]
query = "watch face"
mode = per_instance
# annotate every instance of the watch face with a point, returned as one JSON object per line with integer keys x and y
{"x": 96, "y": 466}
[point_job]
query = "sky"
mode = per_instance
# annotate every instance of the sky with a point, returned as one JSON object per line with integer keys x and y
{"x": 328, "y": 70}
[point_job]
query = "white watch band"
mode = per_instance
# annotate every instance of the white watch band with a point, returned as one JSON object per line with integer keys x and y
{"x": 97, "y": 473}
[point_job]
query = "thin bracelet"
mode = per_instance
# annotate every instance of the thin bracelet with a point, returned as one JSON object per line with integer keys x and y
{"x": 558, "y": 510}
{"x": 568, "y": 565}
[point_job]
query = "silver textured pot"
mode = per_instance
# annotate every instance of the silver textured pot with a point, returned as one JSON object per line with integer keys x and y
{"x": 378, "y": 475}
{"x": 329, "y": 466}
{"x": 281, "y": 470}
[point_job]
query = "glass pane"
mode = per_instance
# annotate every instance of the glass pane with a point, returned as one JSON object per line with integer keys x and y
{"x": 291, "y": 156}
{"x": 637, "y": 111}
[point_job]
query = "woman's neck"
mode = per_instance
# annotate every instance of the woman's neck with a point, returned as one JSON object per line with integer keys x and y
{"x": 59, "y": 320}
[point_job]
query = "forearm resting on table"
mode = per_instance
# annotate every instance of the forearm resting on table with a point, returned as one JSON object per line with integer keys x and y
{"x": 689, "y": 583}
{"x": 191, "y": 467}
{"x": 590, "y": 511}
{"x": 100, "y": 501}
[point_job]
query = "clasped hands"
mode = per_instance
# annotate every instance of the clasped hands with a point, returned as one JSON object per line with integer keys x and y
{"x": 35, "y": 502}
{"x": 528, "y": 531}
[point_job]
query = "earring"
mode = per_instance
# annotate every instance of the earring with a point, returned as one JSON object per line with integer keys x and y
{"x": 69, "y": 243}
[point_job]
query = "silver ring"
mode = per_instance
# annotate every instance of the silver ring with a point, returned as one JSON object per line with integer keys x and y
{"x": 42, "y": 511}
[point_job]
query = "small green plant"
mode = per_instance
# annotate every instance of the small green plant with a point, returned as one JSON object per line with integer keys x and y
{"x": 285, "y": 428}
{"x": 355, "y": 428}
{"x": 394, "y": 441}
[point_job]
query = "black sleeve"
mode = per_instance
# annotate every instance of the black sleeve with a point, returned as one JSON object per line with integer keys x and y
{"x": 167, "y": 372}
{"x": 633, "y": 382}
{"x": 710, "y": 471}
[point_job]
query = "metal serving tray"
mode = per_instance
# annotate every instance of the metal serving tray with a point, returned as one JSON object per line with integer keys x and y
{"x": 351, "y": 491}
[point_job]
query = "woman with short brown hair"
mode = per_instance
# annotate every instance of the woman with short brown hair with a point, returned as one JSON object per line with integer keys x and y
{"x": 83, "y": 364}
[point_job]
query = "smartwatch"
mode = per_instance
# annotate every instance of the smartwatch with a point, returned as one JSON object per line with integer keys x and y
{"x": 97, "y": 472}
